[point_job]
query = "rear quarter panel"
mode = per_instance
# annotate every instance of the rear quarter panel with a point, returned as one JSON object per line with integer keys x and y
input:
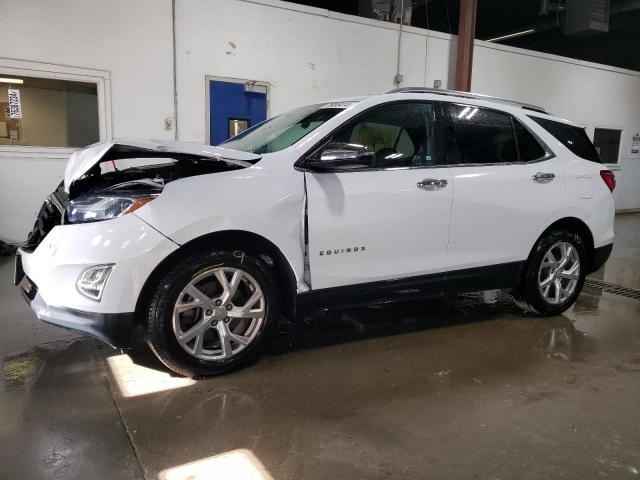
{"x": 587, "y": 196}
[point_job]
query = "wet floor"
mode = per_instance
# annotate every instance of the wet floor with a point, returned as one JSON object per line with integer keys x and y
{"x": 458, "y": 388}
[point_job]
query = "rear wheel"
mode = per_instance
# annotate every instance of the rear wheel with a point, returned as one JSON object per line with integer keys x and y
{"x": 555, "y": 274}
{"x": 212, "y": 312}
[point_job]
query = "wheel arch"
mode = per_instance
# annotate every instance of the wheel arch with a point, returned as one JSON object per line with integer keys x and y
{"x": 572, "y": 224}
{"x": 237, "y": 240}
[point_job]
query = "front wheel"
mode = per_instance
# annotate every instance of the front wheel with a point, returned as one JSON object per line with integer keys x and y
{"x": 555, "y": 274}
{"x": 212, "y": 312}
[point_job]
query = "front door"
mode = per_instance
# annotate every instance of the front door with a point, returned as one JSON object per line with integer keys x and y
{"x": 234, "y": 107}
{"x": 387, "y": 220}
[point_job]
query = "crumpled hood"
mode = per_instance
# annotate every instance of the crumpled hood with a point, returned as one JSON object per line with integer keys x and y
{"x": 83, "y": 160}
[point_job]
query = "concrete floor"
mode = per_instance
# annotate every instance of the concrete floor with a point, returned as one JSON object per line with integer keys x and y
{"x": 461, "y": 388}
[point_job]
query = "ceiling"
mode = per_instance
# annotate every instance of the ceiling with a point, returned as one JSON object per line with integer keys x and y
{"x": 619, "y": 47}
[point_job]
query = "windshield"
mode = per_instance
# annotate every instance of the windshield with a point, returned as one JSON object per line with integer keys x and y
{"x": 282, "y": 131}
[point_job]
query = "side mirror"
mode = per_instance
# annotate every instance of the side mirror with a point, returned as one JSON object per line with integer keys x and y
{"x": 341, "y": 156}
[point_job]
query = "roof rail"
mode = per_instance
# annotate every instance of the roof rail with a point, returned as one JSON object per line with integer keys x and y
{"x": 474, "y": 96}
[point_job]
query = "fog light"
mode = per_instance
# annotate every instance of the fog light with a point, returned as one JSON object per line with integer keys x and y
{"x": 92, "y": 280}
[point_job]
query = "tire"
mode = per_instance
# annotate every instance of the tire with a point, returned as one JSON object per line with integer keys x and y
{"x": 178, "y": 310}
{"x": 530, "y": 294}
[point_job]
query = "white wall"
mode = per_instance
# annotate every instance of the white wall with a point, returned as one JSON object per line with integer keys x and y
{"x": 130, "y": 41}
{"x": 305, "y": 54}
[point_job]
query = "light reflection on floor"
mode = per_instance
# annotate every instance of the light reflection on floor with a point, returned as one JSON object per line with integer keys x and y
{"x": 134, "y": 380}
{"x": 239, "y": 464}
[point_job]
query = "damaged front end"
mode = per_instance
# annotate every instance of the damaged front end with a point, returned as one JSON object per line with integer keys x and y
{"x": 79, "y": 271}
{"x": 89, "y": 193}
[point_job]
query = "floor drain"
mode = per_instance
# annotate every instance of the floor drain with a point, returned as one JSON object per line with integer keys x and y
{"x": 612, "y": 288}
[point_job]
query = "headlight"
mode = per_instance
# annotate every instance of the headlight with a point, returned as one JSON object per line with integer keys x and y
{"x": 95, "y": 207}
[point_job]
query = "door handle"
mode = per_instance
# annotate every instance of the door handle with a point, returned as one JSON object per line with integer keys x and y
{"x": 432, "y": 184}
{"x": 541, "y": 177}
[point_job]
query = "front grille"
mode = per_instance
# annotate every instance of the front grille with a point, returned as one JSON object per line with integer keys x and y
{"x": 50, "y": 215}
{"x": 612, "y": 288}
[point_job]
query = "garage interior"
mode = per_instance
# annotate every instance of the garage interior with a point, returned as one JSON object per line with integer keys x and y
{"x": 456, "y": 387}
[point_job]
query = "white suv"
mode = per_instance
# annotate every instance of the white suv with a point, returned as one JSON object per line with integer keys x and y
{"x": 413, "y": 193}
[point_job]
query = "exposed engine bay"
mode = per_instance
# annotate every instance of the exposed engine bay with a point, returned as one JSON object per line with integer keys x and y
{"x": 119, "y": 189}
{"x": 146, "y": 176}
{"x": 90, "y": 194}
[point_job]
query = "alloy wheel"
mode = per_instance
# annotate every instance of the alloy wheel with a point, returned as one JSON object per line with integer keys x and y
{"x": 218, "y": 313}
{"x": 559, "y": 273}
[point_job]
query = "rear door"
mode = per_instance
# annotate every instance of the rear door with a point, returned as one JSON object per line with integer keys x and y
{"x": 382, "y": 221}
{"x": 506, "y": 185}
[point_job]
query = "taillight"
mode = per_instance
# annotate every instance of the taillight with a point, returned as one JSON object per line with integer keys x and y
{"x": 609, "y": 178}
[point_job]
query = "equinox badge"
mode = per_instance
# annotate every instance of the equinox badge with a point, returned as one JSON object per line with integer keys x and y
{"x": 342, "y": 250}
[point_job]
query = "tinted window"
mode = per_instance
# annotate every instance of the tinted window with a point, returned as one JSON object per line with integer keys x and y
{"x": 607, "y": 144}
{"x": 400, "y": 134}
{"x": 574, "y": 138}
{"x": 480, "y": 136}
{"x": 528, "y": 147}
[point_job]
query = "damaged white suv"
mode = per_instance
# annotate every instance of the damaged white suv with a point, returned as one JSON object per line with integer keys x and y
{"x": 397, "y": 196}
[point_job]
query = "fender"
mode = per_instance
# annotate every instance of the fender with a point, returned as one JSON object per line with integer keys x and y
{"x": 265, "y": 200}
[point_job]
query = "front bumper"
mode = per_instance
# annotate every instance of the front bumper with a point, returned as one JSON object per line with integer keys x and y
{"x": 112, "y": 328}
{"x": 52, "y": 269}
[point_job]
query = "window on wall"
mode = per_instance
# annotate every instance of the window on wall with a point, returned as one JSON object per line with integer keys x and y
{"x": 607, "y": 143}
{"x": 42, "y": 112}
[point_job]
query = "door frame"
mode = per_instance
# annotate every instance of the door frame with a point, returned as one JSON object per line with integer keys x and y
{"x": 209, "y": 78}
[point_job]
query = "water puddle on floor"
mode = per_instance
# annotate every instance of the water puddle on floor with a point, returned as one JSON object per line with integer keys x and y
{"x": 20, "y": 370}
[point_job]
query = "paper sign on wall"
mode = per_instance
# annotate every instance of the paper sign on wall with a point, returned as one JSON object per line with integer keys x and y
{"x": 15, "y": 107}
{"x": 635, "y": 143}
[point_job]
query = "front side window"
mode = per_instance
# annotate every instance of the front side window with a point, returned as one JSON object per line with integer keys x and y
{"x": 400, "y": 134}
{"x": 44, "y": 112}
{"x": 480, "y": 136}
{"x": 572, "y": 137}
{"x": 282, "y": 131}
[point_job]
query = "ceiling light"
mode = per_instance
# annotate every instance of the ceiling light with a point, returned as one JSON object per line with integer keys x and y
{"x": 511, "y": 35}
{"x": 18, "y": 81}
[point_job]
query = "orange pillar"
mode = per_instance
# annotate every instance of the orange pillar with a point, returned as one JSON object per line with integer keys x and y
{"x": 466, "y": 34}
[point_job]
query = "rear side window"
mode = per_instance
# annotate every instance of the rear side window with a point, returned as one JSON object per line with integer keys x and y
{"x": 574, "y": 138}
{"x": 480, "y": 136}
{"x": 528, "y": 147}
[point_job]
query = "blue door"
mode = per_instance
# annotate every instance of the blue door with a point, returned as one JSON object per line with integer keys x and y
{"x": 233, "y": 109}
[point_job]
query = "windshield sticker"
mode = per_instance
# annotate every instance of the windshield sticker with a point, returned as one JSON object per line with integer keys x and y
{"x": 339, "y": 104}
